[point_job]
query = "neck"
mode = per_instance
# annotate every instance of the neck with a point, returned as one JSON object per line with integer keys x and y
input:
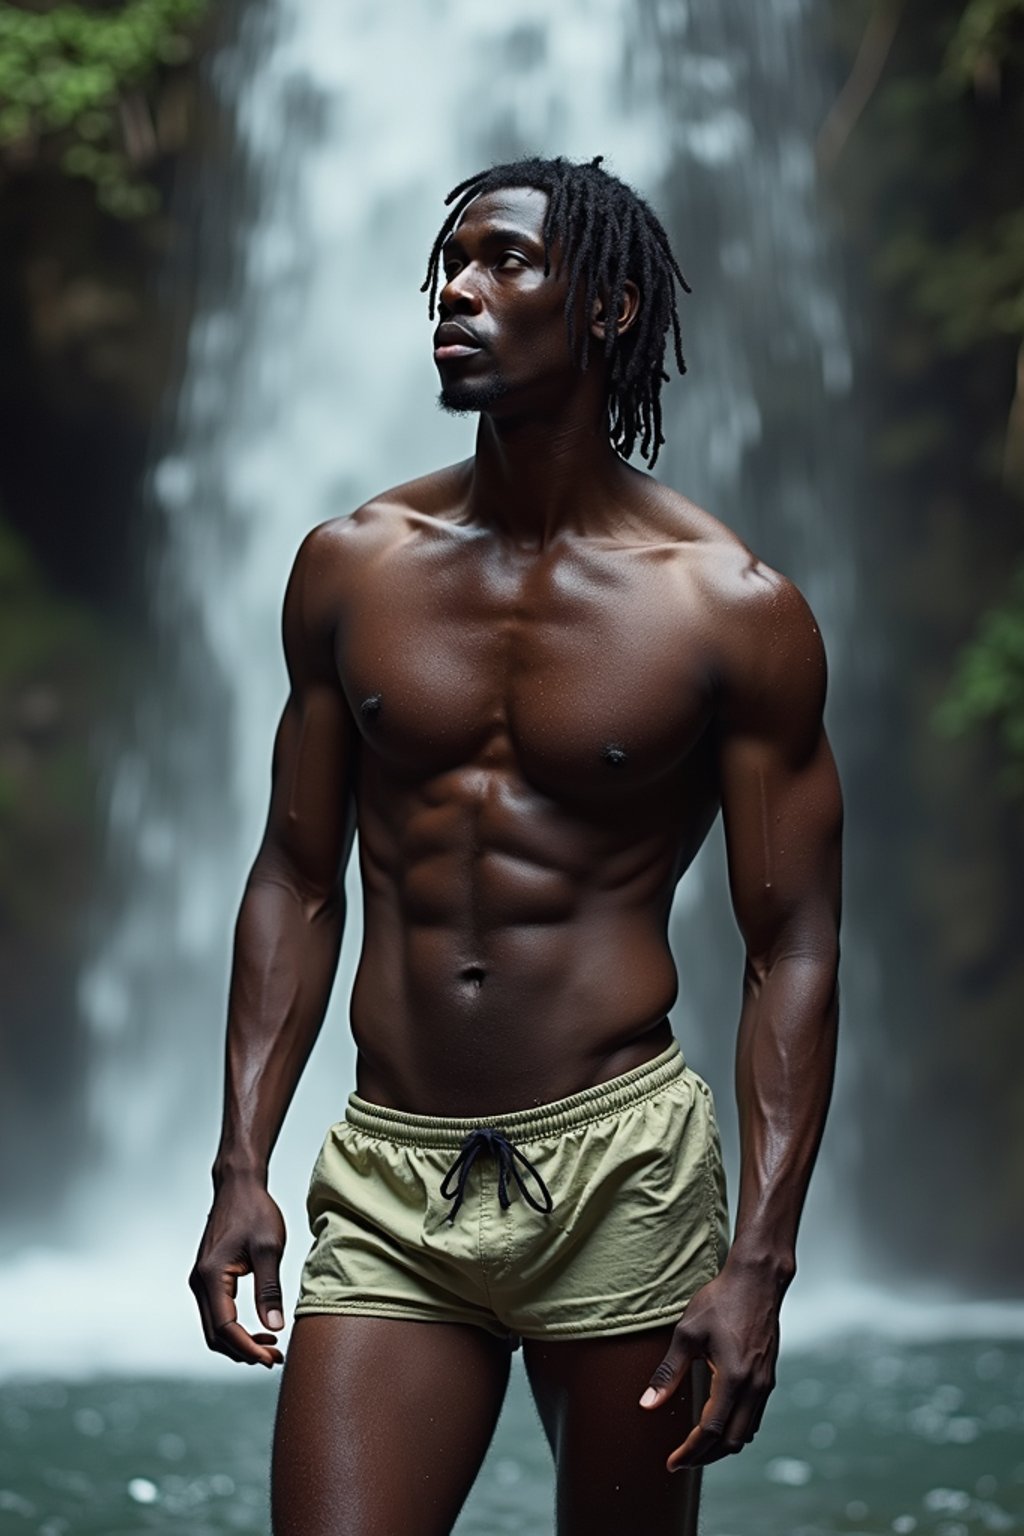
{"x": 535, "y": 478}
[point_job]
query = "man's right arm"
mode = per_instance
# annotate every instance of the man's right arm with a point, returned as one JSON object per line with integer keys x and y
{"x": 287, "y": 941}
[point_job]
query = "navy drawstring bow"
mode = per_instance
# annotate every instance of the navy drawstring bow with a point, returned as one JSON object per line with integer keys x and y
{"x": 487, "y": 1139}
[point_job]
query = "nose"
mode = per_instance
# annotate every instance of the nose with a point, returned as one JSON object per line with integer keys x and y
{"x": 459, "y": 295}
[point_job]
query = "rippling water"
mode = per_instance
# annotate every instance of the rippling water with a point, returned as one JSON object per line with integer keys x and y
{"x": 862, "y": 1437}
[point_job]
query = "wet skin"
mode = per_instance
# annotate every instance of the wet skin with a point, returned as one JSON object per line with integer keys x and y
{"x": 533, "y": 679}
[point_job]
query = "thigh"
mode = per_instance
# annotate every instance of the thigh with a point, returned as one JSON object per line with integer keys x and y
{"x": 382, "y": 1424}
{"x": 609, "y": 1452}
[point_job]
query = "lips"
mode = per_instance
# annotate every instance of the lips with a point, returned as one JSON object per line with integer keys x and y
{"x": 453, "y": 340}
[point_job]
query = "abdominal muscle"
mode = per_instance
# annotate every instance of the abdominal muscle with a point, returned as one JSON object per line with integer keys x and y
{"x": 509, "y": 986}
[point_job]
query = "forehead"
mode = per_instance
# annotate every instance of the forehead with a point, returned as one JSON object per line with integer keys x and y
{"x": 508, "y": 208}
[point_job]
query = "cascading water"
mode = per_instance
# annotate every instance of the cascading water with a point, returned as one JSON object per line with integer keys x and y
{"x": 309, "y": 385}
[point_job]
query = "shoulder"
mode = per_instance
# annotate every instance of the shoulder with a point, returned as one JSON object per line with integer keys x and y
{"x": 770, "y": 666}
{"x": 343, "y": 543}
{"x": 337, "y": 549}
{"x": 764, "y": 643}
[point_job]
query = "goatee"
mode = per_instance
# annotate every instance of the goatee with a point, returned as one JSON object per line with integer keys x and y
{"x": 461, "y": 395}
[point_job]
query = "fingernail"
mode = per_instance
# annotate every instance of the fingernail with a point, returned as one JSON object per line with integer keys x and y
{"x": 275, "y": 1319}
{"x": 649, "y": 1398}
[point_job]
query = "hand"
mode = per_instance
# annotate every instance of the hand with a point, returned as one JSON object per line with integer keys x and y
{"x": 733, "y": 1324}
{"x": 244, "y": 1232}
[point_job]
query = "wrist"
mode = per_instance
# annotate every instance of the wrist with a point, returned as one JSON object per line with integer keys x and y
{"x": 774, "y": 1268}
{"x": 232, "y": 1171}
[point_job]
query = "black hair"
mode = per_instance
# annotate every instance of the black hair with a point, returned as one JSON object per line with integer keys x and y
{"x": 608, "y": 233}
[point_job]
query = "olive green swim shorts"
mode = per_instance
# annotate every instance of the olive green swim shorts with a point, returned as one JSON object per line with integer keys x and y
{"x": 596, "y": 1214}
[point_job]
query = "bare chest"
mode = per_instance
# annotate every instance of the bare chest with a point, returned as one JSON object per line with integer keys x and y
{"x": 586, "y": 674}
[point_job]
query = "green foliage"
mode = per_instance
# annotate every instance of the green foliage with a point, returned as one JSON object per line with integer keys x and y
{"x": 954, "y": 250}
{"x": 988, "y": 685}
{"x": 940, "y": 169}
{"x": 984, "y": 35}
{"x": 971, "y": 287}
{"x": 979, "y": 293}
{"x": 64, "y": 74}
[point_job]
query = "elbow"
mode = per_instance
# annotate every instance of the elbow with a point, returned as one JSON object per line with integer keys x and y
{"x": 319, "y": 899}
{"x": 815, "y": 953}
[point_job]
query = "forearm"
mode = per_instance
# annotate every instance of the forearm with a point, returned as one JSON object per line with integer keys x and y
{"x": 285, "y": 958}
{"x": 784, "y": 1071}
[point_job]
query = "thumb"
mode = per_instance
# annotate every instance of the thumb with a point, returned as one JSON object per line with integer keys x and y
{"x": 267, "y": 1282}
{"x": 669, "y": 1373}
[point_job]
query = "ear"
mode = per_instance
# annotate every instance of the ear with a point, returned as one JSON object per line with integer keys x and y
{"x": 628, "y": 310}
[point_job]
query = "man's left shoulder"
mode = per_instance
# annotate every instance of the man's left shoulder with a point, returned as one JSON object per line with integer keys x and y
{"x": 758, "y": 601}
{"x": 771, "y": 663}
{"x": 737, "y": 584}
{"x": 764, "y": 642}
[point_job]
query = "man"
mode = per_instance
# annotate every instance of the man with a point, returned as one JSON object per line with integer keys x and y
{"x": 532, "y": 679}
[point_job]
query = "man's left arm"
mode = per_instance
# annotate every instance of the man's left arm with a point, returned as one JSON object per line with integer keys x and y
{"x": 783, "y": 815}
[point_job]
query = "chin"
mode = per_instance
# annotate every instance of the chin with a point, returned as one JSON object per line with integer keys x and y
{"x": 461, "y": 395}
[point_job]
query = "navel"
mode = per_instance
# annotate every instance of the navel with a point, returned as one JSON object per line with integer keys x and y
{"x": 613, "y": 755}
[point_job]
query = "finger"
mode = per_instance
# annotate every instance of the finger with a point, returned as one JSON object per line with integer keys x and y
{"x": 717, "y": 1444}
{"x": 229, "y": 1330}
{"x": 220, "y": 1343}
{"x": 238, "y": 1338}
{"x": 225, "y": 1333}
{"x": 755, "y": 1423}
{"x": 267, "y": 1285}
{"x": 730, "y": 1442}
{"x": 214, "y": 1341}
{"x": 669, "y": 1373}
{"x": 710, "y": 1431}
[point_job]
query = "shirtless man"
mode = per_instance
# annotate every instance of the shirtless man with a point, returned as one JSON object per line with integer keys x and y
{"x": 532, "y": 679}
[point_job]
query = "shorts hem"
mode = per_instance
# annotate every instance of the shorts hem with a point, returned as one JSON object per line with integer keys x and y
{"x": 632, "y": 1322}
{"x": 399, "y": 1314}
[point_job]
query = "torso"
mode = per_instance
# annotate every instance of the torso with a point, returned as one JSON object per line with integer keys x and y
{"x": 536, "y": 771}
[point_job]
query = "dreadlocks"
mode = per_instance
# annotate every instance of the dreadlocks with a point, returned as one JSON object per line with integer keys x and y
{"x": 608, "y": 233}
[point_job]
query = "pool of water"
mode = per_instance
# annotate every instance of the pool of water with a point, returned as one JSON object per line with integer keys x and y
{"x": 862, "y": 1436}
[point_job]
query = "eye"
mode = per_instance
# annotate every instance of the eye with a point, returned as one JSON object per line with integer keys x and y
{"x": 514, "y": 256}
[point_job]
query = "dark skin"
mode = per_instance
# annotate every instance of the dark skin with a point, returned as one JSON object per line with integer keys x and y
{"x": 533, "y": 678}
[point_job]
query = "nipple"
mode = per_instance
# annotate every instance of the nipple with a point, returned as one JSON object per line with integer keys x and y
{"x": 370, "y": 708}
{"x": 614, "y": 755}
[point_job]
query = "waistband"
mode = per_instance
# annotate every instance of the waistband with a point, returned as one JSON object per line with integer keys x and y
{"x": 595, "y": 1103}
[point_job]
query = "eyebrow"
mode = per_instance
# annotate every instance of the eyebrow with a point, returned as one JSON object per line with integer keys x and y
{"x": 497, "y": 236}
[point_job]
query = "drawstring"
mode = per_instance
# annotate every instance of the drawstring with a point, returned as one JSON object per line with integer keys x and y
{"x": 487, "y": 1139}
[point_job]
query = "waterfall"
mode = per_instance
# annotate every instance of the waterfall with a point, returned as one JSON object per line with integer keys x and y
{"x": 308, "y": 386}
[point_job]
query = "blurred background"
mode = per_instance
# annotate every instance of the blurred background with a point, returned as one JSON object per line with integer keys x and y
{"x": 214, "y": 221}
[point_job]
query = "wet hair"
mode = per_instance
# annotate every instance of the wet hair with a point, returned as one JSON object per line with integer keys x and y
{"x": 608, "y": 233}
